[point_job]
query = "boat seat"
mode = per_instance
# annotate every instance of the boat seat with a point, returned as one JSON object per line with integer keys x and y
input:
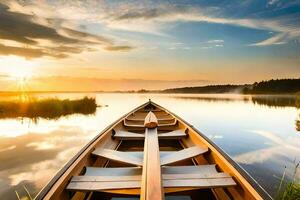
{"x": 119, "y": 156}
{"x": 129, "y": 171}
{"x": 201, "y": 176}
{"x": 142, "y": 126}
{"x": 136, "y": 158}
{"x": 126, "y": 135}
{"x": 183, "y": 155}
{"x": 143, "y": 119}
{"x": 116, "y": 171}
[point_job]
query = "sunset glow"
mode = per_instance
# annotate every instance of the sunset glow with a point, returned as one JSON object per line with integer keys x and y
{"x": 16, "y": 67}
{"x": 129, "y": 45}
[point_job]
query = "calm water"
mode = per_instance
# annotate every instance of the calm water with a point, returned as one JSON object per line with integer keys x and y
{"x": 258, "y": 133}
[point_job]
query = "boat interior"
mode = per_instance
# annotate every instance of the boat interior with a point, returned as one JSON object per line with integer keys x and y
{"x": 151, "y": 154}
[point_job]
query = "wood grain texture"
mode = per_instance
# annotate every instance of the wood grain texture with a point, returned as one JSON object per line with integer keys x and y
{"x": 150, "y": 120}
{"x": 119, "y": 156}
{"x": 183, "y": 155}
{"x": 126, "y": 135}
{"x": 151, "y": 178}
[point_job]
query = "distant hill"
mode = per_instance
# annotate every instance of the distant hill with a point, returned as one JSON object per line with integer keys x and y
{"x": 209, "y": 89}
{"x": 279, "y": 86}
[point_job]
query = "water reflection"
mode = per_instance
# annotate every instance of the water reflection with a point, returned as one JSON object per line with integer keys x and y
{"x": 266, "y": 100}
{"x": 257, "y": 133}
{"x": 276, "y": 101}
{"x": 34, "y": 157}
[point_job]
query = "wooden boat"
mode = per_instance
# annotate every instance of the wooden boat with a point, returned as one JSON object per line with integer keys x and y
{"x": 151, "y": 154}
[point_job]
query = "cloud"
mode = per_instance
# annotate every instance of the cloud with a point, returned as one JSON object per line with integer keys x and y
{"x": 90, "y": 37}
{"x": 26, "y": 52}
{"x": 155, "y": 19}
{"x": 21, "y": 28}
{"x": 275, "y": 40}
{"x": 147, "y": 17}
{"x": 36, "y": 37}
{"x": 280, "y": 146}
{"x": 119, "y": 48}
{"x": 215, "y": 41}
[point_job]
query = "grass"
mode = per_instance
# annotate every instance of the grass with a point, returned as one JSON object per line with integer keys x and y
{"x": 291, "y": 191}
{"x": 47, "y": 108}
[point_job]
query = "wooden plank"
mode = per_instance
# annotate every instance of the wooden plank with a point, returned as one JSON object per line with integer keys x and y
{"x": 105, "y": 178}
{"x": 198, "y": 169}
{"x": 169, "y": 124}
{"x": 118, "y": 156}
{"x": 200, "y": 183}
{"x": 138, "y": 177}
{"x": 143, "y": 119}
{"x": 98, "y": 186}
{"x": 150, "y": 121}
{"x": 126, "y": 135}
{"x": 134, "y": 184}
{"x": 183, "y": 155}
{"x": 117, "y": 171}
{"x": 142, "y": 126}
{"x": 151, "y": 178}
{"x": 178, "y": 134}
{"x": 195, "y": 176}
{"x": 131, "y": 171}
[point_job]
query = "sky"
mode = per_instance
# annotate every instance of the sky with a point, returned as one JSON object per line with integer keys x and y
{"x": 89, "y": 45}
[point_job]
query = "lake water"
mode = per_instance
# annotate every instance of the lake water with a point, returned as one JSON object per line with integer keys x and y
{"x": 259, "y": 133}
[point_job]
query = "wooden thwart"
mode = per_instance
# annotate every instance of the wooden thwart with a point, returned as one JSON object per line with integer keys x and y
{"x": 178, "y": 134}
{"x": 126, "y": 135}
{"x": 92, "y": 183}
{"x": 183, "y": 155}
{"x": 118, "y": 156}
{"x": 138, "y": 177}
{"x": 131, "y": 171}
{"x": 117, "y": 171}
{"x": 201, "y": 176}
{"x": 105, "y": 185}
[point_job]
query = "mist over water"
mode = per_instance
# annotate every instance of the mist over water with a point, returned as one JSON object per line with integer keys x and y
{"x": 258, "y": 132}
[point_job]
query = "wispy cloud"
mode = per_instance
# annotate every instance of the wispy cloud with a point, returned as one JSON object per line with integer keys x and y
{"x": 59, "y": 22}
{"x": 156, "y": 20}
{"x": 35, "y": 36}
{"x": 280, "y": 146}
{"x": 275, "y": 40}
{"x": 215, "y": 41}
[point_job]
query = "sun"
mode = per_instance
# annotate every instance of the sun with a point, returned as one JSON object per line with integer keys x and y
{"x": 19, "y": 71}
{"x": 21, "y": 74}
{"x": 18, "y": 68}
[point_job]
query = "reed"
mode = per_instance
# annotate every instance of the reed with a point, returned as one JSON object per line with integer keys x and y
{"x": 47, "y": 108}
{"x": 291, "y": 191}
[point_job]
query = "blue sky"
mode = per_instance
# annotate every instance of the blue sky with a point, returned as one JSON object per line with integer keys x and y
{"x": 218, "y": 41}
